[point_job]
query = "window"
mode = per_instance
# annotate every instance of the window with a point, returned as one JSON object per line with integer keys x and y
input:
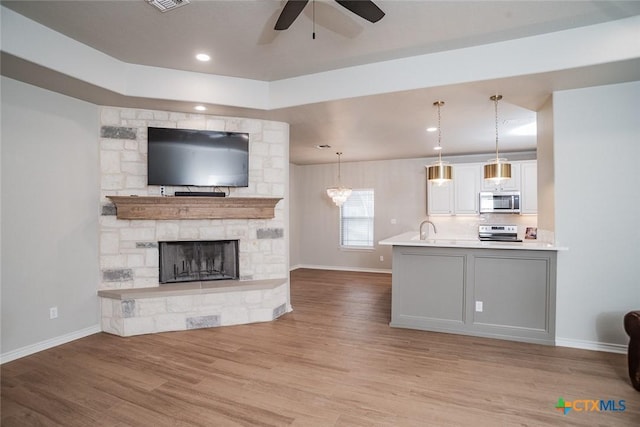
{"x": 356, "y": 220}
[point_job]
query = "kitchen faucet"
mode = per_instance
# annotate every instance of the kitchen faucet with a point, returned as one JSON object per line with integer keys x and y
{"x": 426, "y": 221}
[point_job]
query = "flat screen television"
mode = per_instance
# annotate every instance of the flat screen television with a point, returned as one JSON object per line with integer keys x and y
{"x": 187, "y": 157}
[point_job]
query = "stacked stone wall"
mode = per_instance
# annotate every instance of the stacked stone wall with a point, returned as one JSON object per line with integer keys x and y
{"x": 129, "y": 248}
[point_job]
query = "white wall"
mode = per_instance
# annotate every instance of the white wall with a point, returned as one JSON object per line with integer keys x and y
{"x": 50, "y": 209}
{"x": 597, "y": 134}
{"x": 546, "y": 174}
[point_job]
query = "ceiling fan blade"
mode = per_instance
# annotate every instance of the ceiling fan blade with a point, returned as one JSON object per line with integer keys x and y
{"x": 289, "y": 13}
{"x": 363, "y": 8}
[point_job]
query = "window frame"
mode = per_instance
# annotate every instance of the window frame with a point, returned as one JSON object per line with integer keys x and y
{"x": 370, "y": 218}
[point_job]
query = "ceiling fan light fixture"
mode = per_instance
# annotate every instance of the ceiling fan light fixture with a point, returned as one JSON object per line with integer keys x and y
{"x": 499, "y": 169}
{"x": 439, "y": 172}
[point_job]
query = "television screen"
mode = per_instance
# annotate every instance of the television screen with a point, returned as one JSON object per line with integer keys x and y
{"x": 186, "y": 157}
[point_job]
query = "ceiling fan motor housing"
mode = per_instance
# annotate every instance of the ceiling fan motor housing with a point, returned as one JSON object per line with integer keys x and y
{"x": 366, "y": 9}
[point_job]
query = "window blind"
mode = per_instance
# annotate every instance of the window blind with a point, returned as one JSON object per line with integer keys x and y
{"x": 356, "y": 220}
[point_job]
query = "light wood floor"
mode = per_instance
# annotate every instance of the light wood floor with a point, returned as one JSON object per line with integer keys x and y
{"x": 334, "y": 361}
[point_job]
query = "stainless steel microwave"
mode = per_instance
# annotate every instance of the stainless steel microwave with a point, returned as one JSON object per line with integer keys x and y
{"x": 500, "y": 202}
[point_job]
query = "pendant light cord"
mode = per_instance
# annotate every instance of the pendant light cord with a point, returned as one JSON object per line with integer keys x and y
{"x": 496, "y": 111}
{"x": 439, "y": 104}
{"x": 339, "y": 180}
{"x": 439, "y": 135}
{"x": 495, "y": 99}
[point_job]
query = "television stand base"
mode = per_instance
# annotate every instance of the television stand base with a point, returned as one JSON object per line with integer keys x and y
{"x": 199, "y": 194}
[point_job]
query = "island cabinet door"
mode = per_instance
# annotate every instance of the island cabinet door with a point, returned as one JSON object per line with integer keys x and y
{"x": 428, "y": 289}
{"x": 513, "y": 294}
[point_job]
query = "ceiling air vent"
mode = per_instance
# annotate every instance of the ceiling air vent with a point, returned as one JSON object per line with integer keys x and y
{"x": 166, "y": 5}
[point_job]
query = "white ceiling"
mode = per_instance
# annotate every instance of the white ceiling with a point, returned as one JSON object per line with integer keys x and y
{"x": 240, "y": 38}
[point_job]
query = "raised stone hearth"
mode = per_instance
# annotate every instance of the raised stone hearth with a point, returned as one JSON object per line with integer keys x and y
{"x": 194, "y": 305}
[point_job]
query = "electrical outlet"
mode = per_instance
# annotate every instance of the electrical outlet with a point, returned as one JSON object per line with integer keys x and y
{"x": 53, "y": 313}
{"x": 479, "y": 306}
{"x": 393, "y": 221}
{"x": 381, "y": 258}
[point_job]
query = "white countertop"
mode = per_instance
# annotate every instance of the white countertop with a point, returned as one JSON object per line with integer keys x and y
{"x": 411, "y": 239}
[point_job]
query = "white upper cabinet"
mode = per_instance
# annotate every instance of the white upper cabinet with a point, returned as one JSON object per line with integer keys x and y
{"x": 440, "y": 198}
{"x": 466, "y": 180}
{"x": 529, "y": 187}
{"x": 460, "y": 197}
{"x": 512, "y": 184}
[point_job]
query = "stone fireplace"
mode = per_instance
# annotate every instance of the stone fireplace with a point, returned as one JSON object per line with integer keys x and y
{"x": 192, "y": 261}
{"x": 136, "y": 298}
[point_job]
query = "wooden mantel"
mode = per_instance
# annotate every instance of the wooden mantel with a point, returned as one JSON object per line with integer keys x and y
{"x": 169, "y": 207}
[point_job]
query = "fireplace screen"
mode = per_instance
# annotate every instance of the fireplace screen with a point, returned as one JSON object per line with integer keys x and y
{"x": 198, "y": 261}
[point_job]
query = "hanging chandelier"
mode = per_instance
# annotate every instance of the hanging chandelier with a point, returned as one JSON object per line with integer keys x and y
{"x": 497, "y": 170}
{"x": 439, "y": 172}
{"x": 339, "y": 194}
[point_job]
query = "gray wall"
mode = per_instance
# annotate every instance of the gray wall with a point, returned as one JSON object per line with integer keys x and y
{"x": 596, "y": 215}
{"x": 50, "y": 209}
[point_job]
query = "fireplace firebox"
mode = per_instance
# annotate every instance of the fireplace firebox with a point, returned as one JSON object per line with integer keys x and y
{"x": 189, "y": 261}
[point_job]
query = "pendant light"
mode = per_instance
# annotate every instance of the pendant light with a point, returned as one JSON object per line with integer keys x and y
{"x": 339, "y": 194}
{"x": 497, "y": 170}
{"x": 439, "y": 172}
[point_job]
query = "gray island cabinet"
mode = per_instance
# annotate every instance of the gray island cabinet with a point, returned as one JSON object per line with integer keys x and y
{"x": 495, "y": 290}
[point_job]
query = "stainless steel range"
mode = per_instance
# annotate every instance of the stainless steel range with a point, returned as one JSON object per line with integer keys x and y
{"x": 498, "y": 233}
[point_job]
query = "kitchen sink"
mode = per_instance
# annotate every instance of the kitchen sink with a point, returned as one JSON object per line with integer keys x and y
{"x": 445, "y": 241}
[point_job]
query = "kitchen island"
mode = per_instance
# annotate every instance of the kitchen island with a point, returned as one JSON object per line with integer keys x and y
{"x": 500, "y": 290}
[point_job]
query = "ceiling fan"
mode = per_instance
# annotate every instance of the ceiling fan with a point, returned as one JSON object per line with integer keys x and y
{"x": 363, "y": 8}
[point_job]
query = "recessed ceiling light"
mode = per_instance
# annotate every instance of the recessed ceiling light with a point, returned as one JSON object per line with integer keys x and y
{"x": 323, "y": 146}
{"x": 200, "y": 108}
{"x": 432, "y": 129}
{"x": 203, "y": 57}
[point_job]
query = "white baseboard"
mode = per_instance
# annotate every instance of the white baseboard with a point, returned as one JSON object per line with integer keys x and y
{"x": 341, "y": 268}
{"x": 46, "y": 344}
{"x": 591, "y": 345}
